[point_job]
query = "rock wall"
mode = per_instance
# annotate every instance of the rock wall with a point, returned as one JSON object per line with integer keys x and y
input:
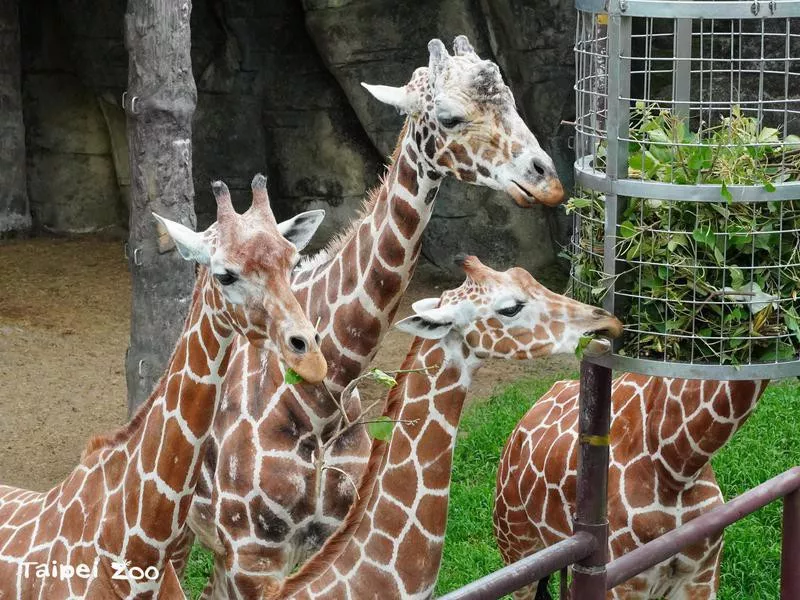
{"x": 14, "y": 210}
{"x": 72, "y": 179}
{"x": 279, "y": 91}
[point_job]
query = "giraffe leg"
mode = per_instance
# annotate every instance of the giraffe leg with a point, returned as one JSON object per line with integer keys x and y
{"x": 216, "y": 587}
{"x": 529, "y": 592}
{"x": 542, "y": 593}
{"x": 703, "y": 583}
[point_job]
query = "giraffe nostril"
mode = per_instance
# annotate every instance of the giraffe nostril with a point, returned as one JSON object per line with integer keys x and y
{"x": 539, "y": 168}
{"x": 298, "y": 344}
{"x": 317, "y": 339}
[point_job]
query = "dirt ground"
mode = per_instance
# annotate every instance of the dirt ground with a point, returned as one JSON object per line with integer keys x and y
{"x": 64, "y": 325}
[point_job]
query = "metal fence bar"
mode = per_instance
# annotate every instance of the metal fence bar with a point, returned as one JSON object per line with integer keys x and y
{"x": 790, "y": 550}
{"x": 669, "y": 544}
{"x": 594, "y": 422}
{"x": 527, "y": 570}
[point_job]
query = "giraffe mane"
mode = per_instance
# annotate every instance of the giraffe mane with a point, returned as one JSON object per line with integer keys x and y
{"x": 124, "y": 433}
{"x": 336, "y": 543}
{"x": 339, "y": 240}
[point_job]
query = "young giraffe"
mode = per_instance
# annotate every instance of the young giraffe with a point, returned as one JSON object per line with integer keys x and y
{"x": 126, "y": 502}
{"x": 663, "y": 435}
{"x": 390, "y": 544}
{"x": 263, "y": 505}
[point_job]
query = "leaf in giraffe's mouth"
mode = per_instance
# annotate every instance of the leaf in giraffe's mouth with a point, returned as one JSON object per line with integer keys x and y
{"x": 292, "y": 377}
{"x": 583, "y": 343}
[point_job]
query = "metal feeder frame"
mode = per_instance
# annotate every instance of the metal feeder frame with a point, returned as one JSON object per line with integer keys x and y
{"x": 605, "y": 67}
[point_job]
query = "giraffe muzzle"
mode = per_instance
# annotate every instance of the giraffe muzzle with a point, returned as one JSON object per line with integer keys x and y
{"x": 549, "y": 192}
{"x": 305, "y": 358}
{"x": 609, "y": 326}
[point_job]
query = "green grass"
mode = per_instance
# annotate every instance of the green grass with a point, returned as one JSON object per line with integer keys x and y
{"x": 768, "y": 444}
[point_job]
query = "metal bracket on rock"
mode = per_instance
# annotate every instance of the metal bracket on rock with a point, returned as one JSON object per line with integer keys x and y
{"x": 132, "y": 108}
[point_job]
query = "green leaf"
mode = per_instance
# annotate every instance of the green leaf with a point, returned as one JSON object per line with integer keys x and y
{"x": 627, "y": 229}
{"x": 737, "y": 276}
{"x": 769, "y": 187}
{"x": 768, "y": 134}
{"x": 725, "y": 192}
{"x": 704, "y": 236}
{"x": 583, "y": 343}
{"x": 381, "y": 429}
{"x": 792, "y": 140}
{"x": 782, "y": 353}
{"x": 659, "y": 136}
{"x": 643, "y": 161}
{"x": 383, "y": 378}
{"x": 675, "y": 240}
{"x": 291, "y": 377}
{"x": 696, "y": 160}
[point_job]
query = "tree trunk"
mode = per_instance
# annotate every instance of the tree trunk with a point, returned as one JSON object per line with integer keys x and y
{"x": 160, "y": 102}
{"x": 14, "y": 210}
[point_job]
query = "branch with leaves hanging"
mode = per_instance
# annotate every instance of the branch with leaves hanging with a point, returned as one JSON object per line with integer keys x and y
{"x": 380, "y": 428}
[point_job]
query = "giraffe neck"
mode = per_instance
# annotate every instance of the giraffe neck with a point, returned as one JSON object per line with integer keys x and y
{"x": 689, "y": 420}
{"x": 401, "y": 512}
{"x": 158, "y": 455}
{"x": 353, "y": 288}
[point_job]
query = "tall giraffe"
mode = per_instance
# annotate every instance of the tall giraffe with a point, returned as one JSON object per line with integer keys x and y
{"x": 126, "y": 502}
{"x": 663, "y": 435}
{"x": 263, "y": 505}
{"x": 390, "y": 545}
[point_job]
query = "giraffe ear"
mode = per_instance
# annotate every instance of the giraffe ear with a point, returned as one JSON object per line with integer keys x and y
{"x": 191, "y": 245}
{"x": 431, "y": 324}
{"x": 393, "y": 96}
{"x": 425, "y": 304}
{"x": 301, "y": 228}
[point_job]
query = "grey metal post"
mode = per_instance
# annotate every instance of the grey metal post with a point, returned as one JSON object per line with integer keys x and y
{"x": 594, "y": 422}
{"x": 619, "y": 80}
{"x": 682, "y": 70}
{"x": 790, "y": 551}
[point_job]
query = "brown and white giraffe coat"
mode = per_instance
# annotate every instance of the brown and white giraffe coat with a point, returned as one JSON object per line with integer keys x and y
{"x": 263, "y": 505}
{"x": 127, "y": 500}
{"x": 390, "y": 545}
{"x": 663, "y": 435}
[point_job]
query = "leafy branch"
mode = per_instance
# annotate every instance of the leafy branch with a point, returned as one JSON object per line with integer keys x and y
{"x": 702, "y": 281}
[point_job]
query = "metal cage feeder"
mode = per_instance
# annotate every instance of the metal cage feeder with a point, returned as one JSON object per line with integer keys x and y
{"x": 687, "y": 183}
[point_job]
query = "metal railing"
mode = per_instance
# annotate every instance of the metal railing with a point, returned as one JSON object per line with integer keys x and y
{"x": 587, "y": 550}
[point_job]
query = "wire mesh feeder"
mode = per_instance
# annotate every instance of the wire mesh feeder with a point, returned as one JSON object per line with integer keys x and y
{"x": 687, "y": 200}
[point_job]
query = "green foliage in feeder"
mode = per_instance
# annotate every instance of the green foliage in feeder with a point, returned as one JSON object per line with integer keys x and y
{"x": 712, "y": 282}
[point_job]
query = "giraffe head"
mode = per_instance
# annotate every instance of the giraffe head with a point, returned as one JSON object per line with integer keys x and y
{"x": 508, "y": 315}
{"x": 250, "y": 258}
{"x": 464, "y": 122}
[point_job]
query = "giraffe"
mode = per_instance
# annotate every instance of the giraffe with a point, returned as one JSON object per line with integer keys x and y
{"x": 663, "y": 435}
{"x": 111, "y": 527}
{"x": 170, "y": 588}
{"x": 279, "y": 507}
{"x": 390, "y": 544}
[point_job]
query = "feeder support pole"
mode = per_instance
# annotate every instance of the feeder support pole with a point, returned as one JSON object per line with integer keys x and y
{"x": 594, "y": 422}
{"x": 790, "y": 550}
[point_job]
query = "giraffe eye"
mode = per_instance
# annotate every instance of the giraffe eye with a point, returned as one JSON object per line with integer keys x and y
{"x": 226, "y": 278}
{"x": 511, "y": 311}
{"x": 451, "y": 121}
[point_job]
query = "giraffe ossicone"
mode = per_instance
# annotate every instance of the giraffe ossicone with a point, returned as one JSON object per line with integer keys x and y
{"x": 459, "y": 91}
{"x": 390, "y": 544}
{"x": 113, "y": 526}
{"x": 461, "y": 122}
